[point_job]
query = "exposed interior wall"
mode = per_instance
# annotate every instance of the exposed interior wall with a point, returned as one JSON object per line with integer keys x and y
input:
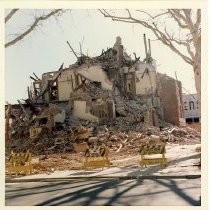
{"x": 169, "y": 91}
{"x": 46, "y": 77}
{"x": 95, "y": 101}
{"x": 81, "y": 110}
{"x": 70, "y": 78}
{"x": 130, "y": 82}
{"x": 66, "y": 84}
{"x": 147, "y": 84}
{"x": 103, "y": 110}
{"x": 146, "y": 78}
{"x": 95, "y": 73}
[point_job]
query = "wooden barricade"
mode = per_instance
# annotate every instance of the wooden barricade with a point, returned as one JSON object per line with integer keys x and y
{"x": 20, "y": 162}
{"x": 152, "y": 149}
{"x": 96, "y": 157}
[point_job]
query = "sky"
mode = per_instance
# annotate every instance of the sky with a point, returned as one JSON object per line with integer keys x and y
{"x": 46, "y": 49}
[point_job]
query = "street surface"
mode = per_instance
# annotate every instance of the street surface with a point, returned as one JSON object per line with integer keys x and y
{"x": 161, "y": 192}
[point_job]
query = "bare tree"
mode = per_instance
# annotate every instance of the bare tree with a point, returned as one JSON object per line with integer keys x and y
{"x": 30, "y": 28}
{"x": 186, "y": 43}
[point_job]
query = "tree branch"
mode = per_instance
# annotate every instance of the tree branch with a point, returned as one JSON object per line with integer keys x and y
{"x": 180, "y": 42}
{"x": 158, "y": 33}
{"x": 106, "y": 14}
{"x": 176, "y": 16}
{"x": 11, "y": 13}
{"x": 153, "y": 17}
{"x": 32, "y": 27}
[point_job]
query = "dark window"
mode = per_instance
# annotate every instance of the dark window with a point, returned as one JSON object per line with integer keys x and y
{"x": 189, "y": 120}
{"x": 185, "y": 106}
{"x": 191, "y": 105}
{"x": 196, "y": 119}
{"x": 53, "y": 91}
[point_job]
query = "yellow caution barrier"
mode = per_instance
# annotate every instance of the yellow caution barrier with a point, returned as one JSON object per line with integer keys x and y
{"x": 96, "y": 157}
{"x": 20, "y": 162}
{"x": 153, "y": 149}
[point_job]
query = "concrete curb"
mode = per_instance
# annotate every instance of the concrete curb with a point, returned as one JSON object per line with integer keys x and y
{"x": 13, "y": 180}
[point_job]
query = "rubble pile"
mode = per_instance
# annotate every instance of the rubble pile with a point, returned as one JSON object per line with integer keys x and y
{"x": 131, "y": 114}
{"x": 37, "y": 131}
{"x": 184, "y": 135}
{"x": 116, "y": 140}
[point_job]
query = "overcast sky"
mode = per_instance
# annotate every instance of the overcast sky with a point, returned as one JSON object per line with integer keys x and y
{"x": 46, "y": 49}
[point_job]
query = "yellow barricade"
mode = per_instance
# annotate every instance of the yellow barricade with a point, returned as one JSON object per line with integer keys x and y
{"x": 96, "y": 157}
{"x": 152, "y": 149}
{"x": 20, "y": 162}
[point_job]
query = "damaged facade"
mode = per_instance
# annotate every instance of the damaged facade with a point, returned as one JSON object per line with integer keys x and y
{"x": 90, "y": 102}
{"x": 109, "y": 88}
{"x": 122, "y": 77}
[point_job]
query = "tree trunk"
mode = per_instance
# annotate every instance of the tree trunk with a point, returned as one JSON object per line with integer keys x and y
{"x": 197, "y": 76}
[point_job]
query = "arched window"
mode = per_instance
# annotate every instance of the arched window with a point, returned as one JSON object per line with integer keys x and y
{"x": 191, "y": 105}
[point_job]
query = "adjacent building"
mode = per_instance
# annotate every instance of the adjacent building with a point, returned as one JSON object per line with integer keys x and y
{"x": 191, "y": 108}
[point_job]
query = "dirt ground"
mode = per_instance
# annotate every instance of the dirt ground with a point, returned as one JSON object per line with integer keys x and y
{"x": 124, "y": 158}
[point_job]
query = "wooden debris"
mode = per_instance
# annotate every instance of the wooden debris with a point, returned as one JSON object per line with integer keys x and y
{"x": 121, "y": 145}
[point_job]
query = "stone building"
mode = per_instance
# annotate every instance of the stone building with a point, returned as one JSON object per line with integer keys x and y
{"x": 191, "y": 108}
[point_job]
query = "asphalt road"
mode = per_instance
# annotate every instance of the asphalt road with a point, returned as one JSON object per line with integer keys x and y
{"x": 177, "y": 192}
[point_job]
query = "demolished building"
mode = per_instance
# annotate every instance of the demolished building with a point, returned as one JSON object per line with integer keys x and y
{"x": 112, "y": 89}
{"x": 109, "y": 103}
{"x": 123, "y": 78}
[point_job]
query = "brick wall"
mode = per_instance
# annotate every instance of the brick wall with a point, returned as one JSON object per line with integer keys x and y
{"x": 170, "y": 91}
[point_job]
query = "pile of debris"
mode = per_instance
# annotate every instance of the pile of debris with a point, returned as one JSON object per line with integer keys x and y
{"x": 45, "y": 130}
{"x": 116, "y": 140}
{"x": 184, "y": 135}
{"x": 110, "y": 100}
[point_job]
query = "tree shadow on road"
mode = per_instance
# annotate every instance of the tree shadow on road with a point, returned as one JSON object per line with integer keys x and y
{"x": 42, "y": 188}
{"x": 180, "y": 192}
{"x": 110, "y": 193}
{"x": 89, "y": 194}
